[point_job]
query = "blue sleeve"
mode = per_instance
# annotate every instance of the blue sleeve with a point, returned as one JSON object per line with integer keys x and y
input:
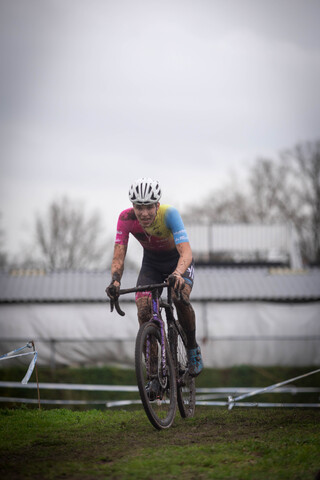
{"x": 174, "y": 222}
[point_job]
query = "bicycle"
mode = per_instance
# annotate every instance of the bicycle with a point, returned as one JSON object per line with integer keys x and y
{"x": 161, "y": 360}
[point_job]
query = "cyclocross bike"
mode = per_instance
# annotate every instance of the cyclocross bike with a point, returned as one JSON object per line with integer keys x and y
{"x": 161, "y": 361}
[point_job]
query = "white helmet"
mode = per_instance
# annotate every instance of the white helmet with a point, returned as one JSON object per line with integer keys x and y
{"x": 145, "y": 191}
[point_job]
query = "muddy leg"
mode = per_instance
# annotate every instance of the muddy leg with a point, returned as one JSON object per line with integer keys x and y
{"x": 187, "y": 318}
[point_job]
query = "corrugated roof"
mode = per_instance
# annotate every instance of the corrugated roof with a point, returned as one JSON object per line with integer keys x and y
{"x": 257, "y": 284}
{"x": 211, "y": 283}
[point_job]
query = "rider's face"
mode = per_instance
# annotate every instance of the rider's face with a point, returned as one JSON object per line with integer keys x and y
{"x": 146, "y": 214}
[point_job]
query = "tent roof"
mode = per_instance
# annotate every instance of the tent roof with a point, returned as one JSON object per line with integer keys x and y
{"x": 211, "y": 283}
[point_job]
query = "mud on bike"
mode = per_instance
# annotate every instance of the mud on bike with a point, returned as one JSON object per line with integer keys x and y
{"x": 161, "y": 361}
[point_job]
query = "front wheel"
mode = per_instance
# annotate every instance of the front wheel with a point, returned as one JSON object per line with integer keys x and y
{"x": 156, "y": 381}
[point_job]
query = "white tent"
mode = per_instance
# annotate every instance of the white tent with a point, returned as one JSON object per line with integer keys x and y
{"x": 244, "y": 316}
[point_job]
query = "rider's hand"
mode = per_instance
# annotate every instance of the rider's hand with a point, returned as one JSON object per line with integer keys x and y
{"x": 113, "y": 290}
{"x": 176, "y": 281}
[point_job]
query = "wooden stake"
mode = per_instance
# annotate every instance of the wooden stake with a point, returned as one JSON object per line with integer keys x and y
{"x": 32, "y": 342}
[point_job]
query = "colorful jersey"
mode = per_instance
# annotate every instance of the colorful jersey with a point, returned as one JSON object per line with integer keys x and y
{"x": 163, "y": 235}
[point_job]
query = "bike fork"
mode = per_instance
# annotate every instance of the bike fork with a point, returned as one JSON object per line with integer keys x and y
{"x": 158, "y": 320}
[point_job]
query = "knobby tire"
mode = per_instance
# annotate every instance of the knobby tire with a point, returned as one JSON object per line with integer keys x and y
{"x": 186, "y": 389}
{"x": 161, "y": 412}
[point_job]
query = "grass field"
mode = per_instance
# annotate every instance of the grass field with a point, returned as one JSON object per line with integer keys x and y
{"x": 244, "y": 443}
{"x": 215, "y": 444}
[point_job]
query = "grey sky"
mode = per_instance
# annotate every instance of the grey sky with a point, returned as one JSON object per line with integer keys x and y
{"x": 97, "y": 93}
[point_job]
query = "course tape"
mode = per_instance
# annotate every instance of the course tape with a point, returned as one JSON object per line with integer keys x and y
{"x": 15, "y": 354}
{"x": 73, "y": 386}
{"x": 132, "y": 388}
{"x": 10, "y": 354}
{"x": 208, "y": 397}
{"x": 260, "y": 404}
{"x": 122, "y": 403}
{"x": 27, "y": 376}
{"x": 52, "y": 402}
{"x": 232, "y": 401}
{"x": 200, "y": 400}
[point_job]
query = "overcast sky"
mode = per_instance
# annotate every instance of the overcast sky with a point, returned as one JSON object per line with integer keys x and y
{"x": 97, "y": 93}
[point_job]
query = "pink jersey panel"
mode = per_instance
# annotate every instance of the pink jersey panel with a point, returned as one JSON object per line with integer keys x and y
{"x": 128, "y": 223}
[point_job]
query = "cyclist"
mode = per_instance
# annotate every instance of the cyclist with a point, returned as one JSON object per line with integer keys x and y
{"x": 166, "y": 254}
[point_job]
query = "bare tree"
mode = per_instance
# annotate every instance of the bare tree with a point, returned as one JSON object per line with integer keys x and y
{"x": 265, "y": 180}
{"x": 300, "y": 196}
{"x": 289, "y": 190}
{"x": 69, "y": 238}
{"x": 229, "y": 204}
{"x": 283, "y": 190}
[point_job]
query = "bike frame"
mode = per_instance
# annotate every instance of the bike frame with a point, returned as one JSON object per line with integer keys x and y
{"x": 171, "y": 357}
{"x": 155, "y": 313}
{"x": 156, "y": 317}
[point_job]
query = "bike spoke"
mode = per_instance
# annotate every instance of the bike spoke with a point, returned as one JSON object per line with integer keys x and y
{"x": 186, "y": 383}
{"x": 156, "y": 380}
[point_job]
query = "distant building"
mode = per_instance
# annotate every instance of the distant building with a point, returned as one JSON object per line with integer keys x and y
{"x": 245, "y": 244}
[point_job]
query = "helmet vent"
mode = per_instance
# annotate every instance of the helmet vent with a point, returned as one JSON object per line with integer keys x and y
{"x": 145, "y": 190}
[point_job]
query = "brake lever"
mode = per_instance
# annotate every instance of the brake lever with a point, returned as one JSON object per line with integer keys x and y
{"x": 179, "y": 295}
{"x": 114, "y": 304}
{"x": 117, "y": 306}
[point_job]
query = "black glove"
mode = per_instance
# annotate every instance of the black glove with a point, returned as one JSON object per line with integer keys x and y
{"x": 113, "y": 290}
{"x": 176, "y": 281}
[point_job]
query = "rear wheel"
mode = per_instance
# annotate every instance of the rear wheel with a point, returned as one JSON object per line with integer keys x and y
{"x": 156, "y": 383}
{"x": 186, "y": 389}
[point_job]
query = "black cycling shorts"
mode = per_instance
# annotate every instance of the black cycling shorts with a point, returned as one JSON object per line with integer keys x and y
{"x": 157, "y": 268}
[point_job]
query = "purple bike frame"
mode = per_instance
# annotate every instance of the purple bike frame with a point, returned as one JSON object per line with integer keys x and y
{"x": 158, "y": 320}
